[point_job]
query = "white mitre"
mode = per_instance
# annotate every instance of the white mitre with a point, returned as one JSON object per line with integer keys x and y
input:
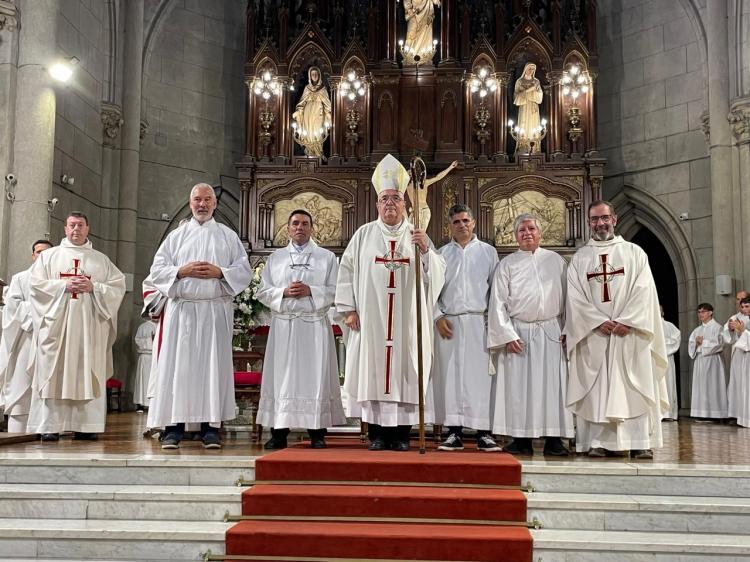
{"x": 390, "y": 174}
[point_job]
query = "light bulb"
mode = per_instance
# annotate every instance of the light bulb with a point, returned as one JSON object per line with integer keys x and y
{"x": 544, "y": 122}
{"x": 482, "y": 72}
{"x": 566, "y": 91}
{"x": 361, "y": 91}
{"x": 493, "y": 87}
{"x": 266, "y": 95}
{"x": 482, "y": 93}
{"x": 574, "y": 70}
{"x": 351, "y": 76}
{"x": 510, "y": 122}
{"x": 580, "y": 79}
{"x": 267, "y": 76}
{"x": 291, "y": 87}
{"x": 575, "y": 94}
{"x": 475, "y": 82}
{"x": 352, "y": 95}
{"x": 434, "y": 42}
{"x": 585, "y": 88}
{"x": 566, "y": 79}
{"x": 357, "y": 84}
{"x": 474, "y": 89}
{"x": 258, "y": 91}
{"x": 401, "y": 42}
{"x": 344, "y": 86}
{"x": 294, "y": 125}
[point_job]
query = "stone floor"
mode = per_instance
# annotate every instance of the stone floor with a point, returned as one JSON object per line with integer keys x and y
{"x": 686, "y": 442}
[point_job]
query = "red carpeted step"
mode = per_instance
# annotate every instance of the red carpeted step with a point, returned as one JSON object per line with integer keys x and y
{"x": 342, "y": 465}
{"x": 374, "y": 541}
{"x": 385, "y": 501}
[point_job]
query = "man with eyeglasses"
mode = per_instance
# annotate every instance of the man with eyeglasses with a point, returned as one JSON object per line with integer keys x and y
{"x": 298, "y": 284}
{"x": 615, "y": 344}
{"x": 376, "y": 297}
{"x": 75, "y": 293}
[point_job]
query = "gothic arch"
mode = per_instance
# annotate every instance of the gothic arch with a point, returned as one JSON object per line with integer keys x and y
{"x": 636, "y": 208}
{"x": 692, "y": 11}
{"x": 164, "y": 8}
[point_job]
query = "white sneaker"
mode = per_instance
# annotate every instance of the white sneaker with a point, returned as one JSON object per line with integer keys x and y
{"x": 453, "y": 443}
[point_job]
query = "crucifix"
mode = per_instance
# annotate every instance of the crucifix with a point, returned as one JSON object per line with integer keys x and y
{"x": 76, "y": 271}
{"x": 392, "y": 261}
{"x": 603, "y": 274}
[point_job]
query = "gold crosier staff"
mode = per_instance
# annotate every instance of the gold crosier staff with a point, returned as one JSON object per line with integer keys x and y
{"x": 418, "y": 174}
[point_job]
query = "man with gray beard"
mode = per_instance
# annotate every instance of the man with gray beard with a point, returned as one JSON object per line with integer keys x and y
{"x": 615, "y": 344}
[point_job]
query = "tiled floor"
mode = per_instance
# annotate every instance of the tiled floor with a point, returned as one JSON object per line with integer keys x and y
{"x": 686, "y": 441}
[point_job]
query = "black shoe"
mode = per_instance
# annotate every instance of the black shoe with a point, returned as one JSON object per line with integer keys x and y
{"x": 642, "y": 454}
{"x": 453, "y": 443}
{"x": 82, "y": 436}
{"x": 486, "y": 443}
{"x": 400, "y": 445}
{"x": 275, "y": 443}
{"x": 50, "y": 436}
{"x": 211, "y": 440}
{"x": 520, "y": 446}
{"x": 553, "y": 447}
{"x": 378, "y": 444}
{"x": 171, "y": 441}
{"x": 318, "y": 443}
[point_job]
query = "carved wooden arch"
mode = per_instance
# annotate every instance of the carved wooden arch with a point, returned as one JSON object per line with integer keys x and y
{"x": 579, "y": 58}
{"x": 354, "y": 63}
{"x": 270, "y": 195}
{"x": 482, "y": 59}
{"x": 385, "y": 96}
{"x": 494, "y": 190}
{"x": 277, "y": 191}
{"x": 448, "y": 95}
{"x": 530, "y": 50}
{"x": 309, "y": 54}
{"x": 267, "y": 63}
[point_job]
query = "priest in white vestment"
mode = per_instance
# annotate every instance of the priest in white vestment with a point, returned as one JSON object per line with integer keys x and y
{"x": 200, "y": 267}
{"x": 300, "y": 373}
{"x": 737, "y": 333}
{"x": 708, "y": 398}
{"x": 525, "y": 329}
{"x": 615, "y": 344}
{"x": 16, "y": 345}
{"x": 461, "y": 389}
{"x": 375, "y": 295}
{"x": 144, "y": 341}
{"x": 672, "y": 339}
{"x": 75, "y": 294}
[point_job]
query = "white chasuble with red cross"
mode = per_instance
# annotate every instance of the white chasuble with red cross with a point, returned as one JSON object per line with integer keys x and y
{"x": 613, "y": 378}
{"x": 377, "y": 280}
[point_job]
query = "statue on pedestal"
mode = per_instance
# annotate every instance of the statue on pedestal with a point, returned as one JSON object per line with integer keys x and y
{"x": 311, "y": 119}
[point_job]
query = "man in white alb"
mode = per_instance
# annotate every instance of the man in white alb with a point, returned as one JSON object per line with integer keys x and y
{"x": 16, "y": 356}
{"x": 200, "y": 267}
{"x": 75, "y": 294}
{"x": 737, "y": 333}
{"x": 525, "y": 328}
{"x": 375, "y": 295}
{"x": 617, "y": 358}
{"x": 672, "y": 338}
{"x": 708, "y": 399}
{"x": 298, "y": 284}
{"x": 144, "y": 341}
{"x": 461, "y": 388}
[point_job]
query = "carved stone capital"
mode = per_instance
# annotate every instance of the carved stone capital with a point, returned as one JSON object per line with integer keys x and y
{"x": 706, "y": 125}
{"x": 144, "y": 128}
{"x": 112, "y": 121}
{"x": 8, "y": 17}
{"x": 739, "y": 120}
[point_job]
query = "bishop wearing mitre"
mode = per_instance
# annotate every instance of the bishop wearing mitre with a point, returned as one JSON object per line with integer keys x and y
{"x": 376, "y": 299}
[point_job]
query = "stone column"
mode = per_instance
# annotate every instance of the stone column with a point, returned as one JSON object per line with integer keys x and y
{"x": 8, "y": 68}
{"x": 34, "y": 142}
{"x": 720, "y": 151}
{"x": 127, "y": 200}
{"x": 739, "y": 120}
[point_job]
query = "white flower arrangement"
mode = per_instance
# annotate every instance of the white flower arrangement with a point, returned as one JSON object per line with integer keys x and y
{"x": 246, "y": 310}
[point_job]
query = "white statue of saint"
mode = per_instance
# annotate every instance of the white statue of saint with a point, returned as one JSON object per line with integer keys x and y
{"x": 312, "y": 116}
{"x": 527, "y": 95}
{"x": 419, "y": 17}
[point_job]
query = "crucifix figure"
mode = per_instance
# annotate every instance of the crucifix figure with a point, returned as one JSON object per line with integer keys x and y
{"x": 393, "y": 261}
{"x": 603, "y": 274}
{"x": 75, "y": 271}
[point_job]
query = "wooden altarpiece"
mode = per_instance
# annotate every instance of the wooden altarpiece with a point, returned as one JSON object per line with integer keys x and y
{"x": 433, "y": 109}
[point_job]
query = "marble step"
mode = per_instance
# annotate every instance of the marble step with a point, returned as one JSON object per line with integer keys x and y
{"x": 161, "y": 470}
{"x": 109, "y": 540}
{"x": 115, "y": 501}
{"x": 612, "y": 512}
{"x": 617, "y": 546}
{"x": 640, "y": 478}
